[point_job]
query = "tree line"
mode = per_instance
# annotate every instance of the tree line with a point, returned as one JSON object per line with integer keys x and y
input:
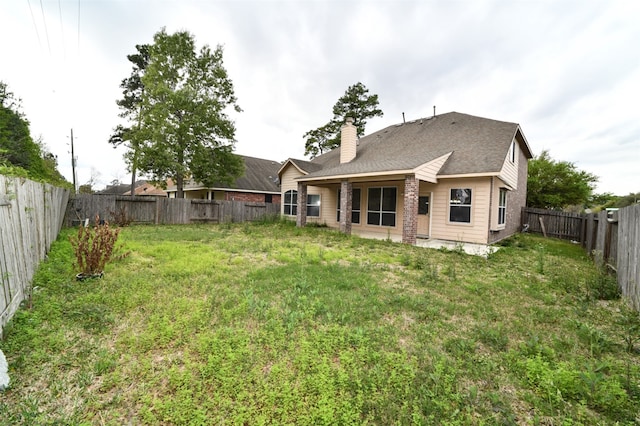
{"x": 20, "y": 154}
{"x": 176, "y": 107}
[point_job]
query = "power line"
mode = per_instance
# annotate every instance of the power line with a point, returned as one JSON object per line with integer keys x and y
{"x": 45, "y": 27}
{"x": 78, "y": 27}
{"x": 33, "y": 19}
{"x": 64, "y": 54}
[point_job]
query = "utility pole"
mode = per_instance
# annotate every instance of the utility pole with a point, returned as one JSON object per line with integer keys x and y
{"x": 73, "y": 165}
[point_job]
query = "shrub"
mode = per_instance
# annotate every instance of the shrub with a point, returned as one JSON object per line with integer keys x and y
{"x": 603, "y": 286}
{"x": 629, "y": 324}
{"x": 94, "y": 247}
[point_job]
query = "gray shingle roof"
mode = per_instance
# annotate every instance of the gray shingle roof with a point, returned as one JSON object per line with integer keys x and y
{"x": 479, "y": 145}
{"x": 259, "y": 175}
{"x": 120, "y": 189}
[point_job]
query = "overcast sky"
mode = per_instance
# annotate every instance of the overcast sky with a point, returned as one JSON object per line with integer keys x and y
{"x": 567, "y": 71}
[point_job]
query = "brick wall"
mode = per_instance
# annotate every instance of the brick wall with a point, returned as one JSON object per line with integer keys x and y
{"x": 346, "y": 206}
{"x": 301, "y": 217}
{"x": 250, "y": 197}
{"x": 410, "y": 221}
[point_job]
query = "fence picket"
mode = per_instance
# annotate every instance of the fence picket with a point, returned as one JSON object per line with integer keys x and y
{"x": 157, "y": 210}
{"x": 610, "y": 241}
{"x": 31, "y": 216}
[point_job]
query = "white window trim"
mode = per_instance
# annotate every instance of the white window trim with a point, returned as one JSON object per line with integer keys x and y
{"x": 512, "y": 151}
{"x": 449, "y": 221}
{"x": 395, "y": 211}
{"x": 292, "y": 204}
{"x": 319, "y": 205}
{"x": 504, "y": 208}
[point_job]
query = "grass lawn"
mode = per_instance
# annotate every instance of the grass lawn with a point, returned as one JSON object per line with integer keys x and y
{"x": 272, "y": 324}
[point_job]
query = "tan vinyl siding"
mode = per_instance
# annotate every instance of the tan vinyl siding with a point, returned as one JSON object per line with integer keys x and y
{"x": 515, "y": 201}
{"x": 474, "y": 232}
{"x": 495, "y": 201}
{"x": 428, "y": 172}
{"x": 509, "y": 172}
{"x": 329, "y": 206}
{"x": 287, "y": 181}
{"x": 327, "y": 199}
{"x": 325, "y": 205}
{"x": 196, "y": 195}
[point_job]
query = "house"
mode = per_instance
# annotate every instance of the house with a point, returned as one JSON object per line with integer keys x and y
{"x": 120, "y": 188}
{"x": 259, "y": 184}
{"x": 452, "y": 177}
{"x": 147, "y": 189}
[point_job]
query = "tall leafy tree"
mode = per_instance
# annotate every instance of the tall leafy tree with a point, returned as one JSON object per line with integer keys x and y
{"x": 17, "y": 147}
{"x": 131, "y": 110}
{"x": 185, "y": 131}
{"x": 628, "y": 200}
{"x": 557, "y": 184}
{"x": 355, "y": 103}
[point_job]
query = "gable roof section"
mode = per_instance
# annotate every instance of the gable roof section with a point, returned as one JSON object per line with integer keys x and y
{"x": 259, "y": 175}
{"x": 121, "y": 188}
{"x": 304, "y": 167}
{"x": 477, "y": 146}
{"x": 147, "y": 189}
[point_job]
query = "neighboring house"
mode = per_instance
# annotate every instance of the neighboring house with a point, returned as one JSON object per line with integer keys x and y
{"x": 146, "y": 189}
{"x": 122, "y": 188}
{"x": 450, "y": 177}
{"x": 258, "y": 184}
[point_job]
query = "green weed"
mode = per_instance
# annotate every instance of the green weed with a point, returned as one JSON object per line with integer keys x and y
{"x": 267, "y": 323}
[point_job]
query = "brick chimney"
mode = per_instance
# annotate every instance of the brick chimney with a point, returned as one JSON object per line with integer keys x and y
{"x": 348, "y": 141}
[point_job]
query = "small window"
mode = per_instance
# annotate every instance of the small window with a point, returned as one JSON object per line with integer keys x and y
{"x": 502, "y": 207}
{"x": 423, "y": 205}
{"x": 355, "y": 206}
{"x": 381, "y": 206}
{"x": 512, "y": 151}
{"x": 291, "y": 203}
{"x": 268, "y": 198}
{"x": 460, "y": 205}
{"x": 313, "y": 205}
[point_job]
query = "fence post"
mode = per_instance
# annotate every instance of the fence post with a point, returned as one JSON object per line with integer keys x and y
{"x": 157, "y": 215}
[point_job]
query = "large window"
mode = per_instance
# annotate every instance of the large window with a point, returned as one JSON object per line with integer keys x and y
{"x": 460, "y": 205}
{"x": 355, "y": 205}
{"x": 381, "y": 206}
{"x": 502, "y": 207}
{"x": 423, "y": 205}
{"x": 291, "y": 202}
{"x": 313, "y": 205}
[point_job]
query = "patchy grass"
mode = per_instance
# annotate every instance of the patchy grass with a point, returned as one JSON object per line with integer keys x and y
{"x": 268, "y": 323}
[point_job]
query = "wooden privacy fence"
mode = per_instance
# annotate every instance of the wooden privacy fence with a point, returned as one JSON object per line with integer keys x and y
{"x": 611, "y": 238}
{"x": 31, "y": 216}
{"x": 158, "y": 210}
{"x": 622, "y": 234}
{"x": 554, "y": 223}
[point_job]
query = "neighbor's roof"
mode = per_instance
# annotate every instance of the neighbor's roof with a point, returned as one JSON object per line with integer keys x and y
{"x": 121, "y": 188}
{"x": 478, "y": 145}
{"x": 147, "y": 189}
{"x": 260, "y": 175}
